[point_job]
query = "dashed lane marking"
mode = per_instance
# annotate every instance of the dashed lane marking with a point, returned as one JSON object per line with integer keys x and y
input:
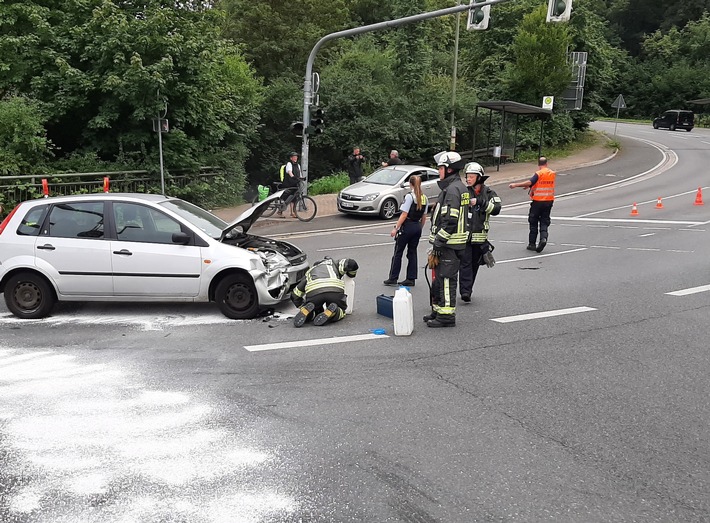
{"x": 314, "y": 343}
{"x": 691, "y": 290}
{"x": 544, "y": 314}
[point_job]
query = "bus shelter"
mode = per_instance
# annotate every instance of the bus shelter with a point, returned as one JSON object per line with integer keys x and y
{"x": 506, "y": 108}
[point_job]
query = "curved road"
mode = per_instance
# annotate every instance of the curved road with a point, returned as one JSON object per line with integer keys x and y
{"x": 574, "y": 387}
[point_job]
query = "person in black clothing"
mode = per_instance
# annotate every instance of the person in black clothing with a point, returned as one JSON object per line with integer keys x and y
{"x": 407, "y": 232}
{"x": 484, "y": 203}
{"x": 393, "y": 160}
{"x": 292, "y": 178}
{"x": 355, "y": 161}
{"x": 323, "y": 285}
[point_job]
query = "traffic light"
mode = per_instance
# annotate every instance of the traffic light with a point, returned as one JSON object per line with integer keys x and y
{"x": 297, "y": 128}
{"x": 317, "y": 122}
{"x": 478, "y": 18}
{"x": 558, "y": 10}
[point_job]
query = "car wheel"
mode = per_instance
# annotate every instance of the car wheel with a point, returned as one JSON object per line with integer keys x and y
{"x": 388, "y": 209}
{"x": 688, "y": 130}
{"x": 29, "y": 296}
{"x": 655, "y": 125}
{"x": 236, "y": 297}
{"x": 672, "y": 127}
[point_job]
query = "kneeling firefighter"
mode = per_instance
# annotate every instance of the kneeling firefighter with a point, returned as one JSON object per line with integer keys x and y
{"x": 323, "y": 285}
{"x": 449, "y": 235}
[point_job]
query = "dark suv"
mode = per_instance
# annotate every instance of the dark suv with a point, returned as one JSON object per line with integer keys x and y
{"x": 675, "y": 119}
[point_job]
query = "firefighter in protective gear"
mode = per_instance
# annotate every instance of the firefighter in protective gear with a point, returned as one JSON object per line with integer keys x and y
{"x": 323, "y": 286}
{"x": 484, "y": 202}
{"x": 449, "y": 235}
{"x": 542, "y": 194}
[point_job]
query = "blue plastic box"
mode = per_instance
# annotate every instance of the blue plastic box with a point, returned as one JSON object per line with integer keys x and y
{"x": 384, "y": 305}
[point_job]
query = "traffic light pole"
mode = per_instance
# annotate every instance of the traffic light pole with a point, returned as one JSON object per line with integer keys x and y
{"x": 307, "y": 84}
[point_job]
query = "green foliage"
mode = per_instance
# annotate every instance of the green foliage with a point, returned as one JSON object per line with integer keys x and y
{"x": 331, "y": 184}
{"x": 24, "y": 148}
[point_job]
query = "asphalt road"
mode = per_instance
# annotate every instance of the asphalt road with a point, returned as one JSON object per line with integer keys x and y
{"x": 572, "y": 389}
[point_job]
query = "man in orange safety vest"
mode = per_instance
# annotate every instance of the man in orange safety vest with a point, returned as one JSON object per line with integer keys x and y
{"x": 542, "y": 194}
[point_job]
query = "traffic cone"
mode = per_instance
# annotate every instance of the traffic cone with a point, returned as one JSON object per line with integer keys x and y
{"x": 699, "y": 197}
{"x": 659, "y": 203}
{"x": 634, "y": 210}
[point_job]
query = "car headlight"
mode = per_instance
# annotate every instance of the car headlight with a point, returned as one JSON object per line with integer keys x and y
{"x": 370, "y": 197}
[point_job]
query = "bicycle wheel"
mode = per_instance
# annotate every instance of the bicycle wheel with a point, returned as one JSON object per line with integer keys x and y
{"x": 272, "y": 208}
{"x": 306, "y": 208}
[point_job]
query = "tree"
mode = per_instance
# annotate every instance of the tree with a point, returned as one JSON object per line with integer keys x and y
{"x": 24, "y": 148}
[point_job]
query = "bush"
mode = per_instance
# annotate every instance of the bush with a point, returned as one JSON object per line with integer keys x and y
{"x": 331, "y": 184}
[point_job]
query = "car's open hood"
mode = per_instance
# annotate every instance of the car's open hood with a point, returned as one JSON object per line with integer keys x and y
{"x": 248, "y": 217}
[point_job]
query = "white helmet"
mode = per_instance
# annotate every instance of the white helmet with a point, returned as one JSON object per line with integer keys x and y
{"x": 447, "y": 158}
{"x": 473, "y": 168}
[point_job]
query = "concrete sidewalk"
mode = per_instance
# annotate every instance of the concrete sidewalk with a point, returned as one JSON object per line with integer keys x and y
{"x": 507, "y": 173}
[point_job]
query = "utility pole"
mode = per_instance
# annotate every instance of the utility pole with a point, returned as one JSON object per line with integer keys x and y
{"x": 452, "y": 146}
{"x": 307, "y": 83}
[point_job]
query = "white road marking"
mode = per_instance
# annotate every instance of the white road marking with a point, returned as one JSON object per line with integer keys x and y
{"x": 313, "y": 343}
{"x": 538, "y": 256}
{"x": 692, "y": 290}
{"x": 545, "y": 314}
{"x": 75, "y": 431}
{"x": 613, "y": 220}
{"x": 647, "y": 234}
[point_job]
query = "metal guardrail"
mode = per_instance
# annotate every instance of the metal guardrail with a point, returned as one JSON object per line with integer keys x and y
{"x": 59, "y": 184}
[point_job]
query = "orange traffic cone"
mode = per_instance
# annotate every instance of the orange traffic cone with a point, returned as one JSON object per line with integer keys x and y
{"x": 634, "y": 210}
{"x": 659, "y": 203}
{"x": 699, "y": 197}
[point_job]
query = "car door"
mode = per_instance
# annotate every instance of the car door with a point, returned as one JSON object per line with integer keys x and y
{"x": 145, "y": 260}
{"x": 72, "y": 249}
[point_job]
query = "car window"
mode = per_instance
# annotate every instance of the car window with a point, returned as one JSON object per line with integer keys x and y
{"x": 138, "y": 223}
{"x": 77, "y": 220}
{"x": 200, "y": 218}
{"x": 31, "y": 223}
{"x": 386, "y": 176}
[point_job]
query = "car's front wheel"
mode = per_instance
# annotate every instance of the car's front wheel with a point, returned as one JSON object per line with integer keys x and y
{"x": 388, "y": 209}
{"x": 655, "y": 125}
{"x": 672, "y": 127}
{"x": 236, "y": 297}
{"x": 29, "y": 296}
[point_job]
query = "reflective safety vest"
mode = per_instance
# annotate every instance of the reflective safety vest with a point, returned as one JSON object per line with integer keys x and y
{"x": 282, "y": 172}
{"x": 415, "y": 214}
{"x": 544, "y": 189}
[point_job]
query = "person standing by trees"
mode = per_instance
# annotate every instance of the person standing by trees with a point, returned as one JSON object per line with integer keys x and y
{"x": 407, "y": 232}
{"x": 355, "y": 161}
{"x": 542, "y": 194}
{"x": 393, "y": 159}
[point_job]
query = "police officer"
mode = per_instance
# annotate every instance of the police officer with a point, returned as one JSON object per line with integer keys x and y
{"x": 542, "y": 194}
{"x": 449, "y": 234}
{"x": 323, "y": 285}
{"x": 484, "y": 202}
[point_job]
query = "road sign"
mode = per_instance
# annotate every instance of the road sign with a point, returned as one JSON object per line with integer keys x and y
{"x": 547, "y": 102}
{"x": 619, "y": 103}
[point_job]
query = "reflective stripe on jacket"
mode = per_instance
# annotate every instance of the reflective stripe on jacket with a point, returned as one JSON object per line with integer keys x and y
{"x": 487, "y": 204}
{"x": 544, "y": 189}
{"x": 449, "y": 222}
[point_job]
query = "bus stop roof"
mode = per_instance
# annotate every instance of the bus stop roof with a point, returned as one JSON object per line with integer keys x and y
{"x": 513, "y": 107}
{"x": 700, "y": 101}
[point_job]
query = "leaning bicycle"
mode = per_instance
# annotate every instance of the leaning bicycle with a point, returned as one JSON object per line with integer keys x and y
{"x": 304, "y": 206}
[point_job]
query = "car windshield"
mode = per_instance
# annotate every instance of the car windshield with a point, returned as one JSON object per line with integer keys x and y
{"x": 197, "y": 216}
{"x": 386, "y": 176}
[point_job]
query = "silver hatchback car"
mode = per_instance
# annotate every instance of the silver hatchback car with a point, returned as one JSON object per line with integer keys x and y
{"x": 382, "y": 192}
{"x": 140, "y": 247}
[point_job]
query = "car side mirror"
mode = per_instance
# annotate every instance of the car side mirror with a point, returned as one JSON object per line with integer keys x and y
{"x": 404, "y": 185}
{"x": 181, "y": 238}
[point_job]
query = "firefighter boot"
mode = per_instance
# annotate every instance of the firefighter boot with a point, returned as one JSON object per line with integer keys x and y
{"x": 430, "y": 316}
{"x": 303, "y": 313}
{"x": 442, "y": 320}
{"x": 331, "y": 312}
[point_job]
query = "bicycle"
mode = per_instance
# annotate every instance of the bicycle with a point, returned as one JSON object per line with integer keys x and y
{"x": 305, "y": 206}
